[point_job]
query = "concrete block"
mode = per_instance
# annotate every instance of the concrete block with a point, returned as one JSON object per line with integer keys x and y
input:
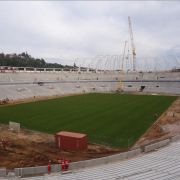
{"x": 17, "y": 171}
{"x": 23, "y": 171}
{"x": 133, "y": 153}
{"x": 147, "y": 148}
{"x": 130, "y": 154}
{"x": 95, "y": 162}
{"x": 27, "y": 171}
{"x": 175, "y": 138}
{"x": 164, "y": 143}
{"x": 113, "y": 158}
{"x": 2, "y": 172}
{"x": 72, "y": 166}
{"x": 122, "y": 156}
{"x": 88, "y": 163}
{"x": 40, "y": 170}
{"x": 76, "y": 165}
{"x": 151, "y": 147}
{"x": 161, "y": 144}
{"x": 56, "y": 168}
{"x": 81, "y": 164}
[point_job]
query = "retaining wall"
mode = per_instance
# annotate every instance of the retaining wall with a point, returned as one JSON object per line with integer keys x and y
{"x": 156, "y": 145}
{"x": 175, "y": 138}
{"x": 2, "y": 172}
{"x": 76, "y": 165}
{"x": 31, "y": 170}
{"x": 88, "y": 163}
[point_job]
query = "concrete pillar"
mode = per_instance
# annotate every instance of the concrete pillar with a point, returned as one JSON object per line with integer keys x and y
{"x": 24, "y": 69}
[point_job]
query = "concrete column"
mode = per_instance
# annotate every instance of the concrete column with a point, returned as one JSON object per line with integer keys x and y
{"x": 24, "y": 69}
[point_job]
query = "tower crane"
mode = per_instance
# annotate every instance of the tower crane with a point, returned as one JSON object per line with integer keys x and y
{"x": 132, "y": 44}
{"x": 119, "y": 88}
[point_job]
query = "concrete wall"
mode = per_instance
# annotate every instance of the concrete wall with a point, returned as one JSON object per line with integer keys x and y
{"x": 2, "y": 172}
{"x": 156, "y": 145}
{"x": 77, "y": 165}
{"x": 117, "y": 157}
{"x": 31, "y": 170}
{"x": 175, "y": 138}
{"x": 88, "y": 163}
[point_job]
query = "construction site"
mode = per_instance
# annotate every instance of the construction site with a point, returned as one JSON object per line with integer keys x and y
{"x": 125, "y": 74}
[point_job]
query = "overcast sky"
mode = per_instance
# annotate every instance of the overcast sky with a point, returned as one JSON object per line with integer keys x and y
{"x": 60, "y": 32}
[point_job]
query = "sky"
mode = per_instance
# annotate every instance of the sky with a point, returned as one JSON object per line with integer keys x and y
{"x": 63, "y": 31}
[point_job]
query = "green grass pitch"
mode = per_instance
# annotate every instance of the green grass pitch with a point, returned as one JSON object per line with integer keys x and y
{"x": 107, "y": 118}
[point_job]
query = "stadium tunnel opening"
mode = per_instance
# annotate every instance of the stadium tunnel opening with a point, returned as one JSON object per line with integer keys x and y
{"x": 142, "y": 88}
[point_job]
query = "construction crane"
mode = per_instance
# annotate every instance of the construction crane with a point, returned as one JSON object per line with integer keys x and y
{"x": 119, "y": 88}
{"x": 132, "y": 44}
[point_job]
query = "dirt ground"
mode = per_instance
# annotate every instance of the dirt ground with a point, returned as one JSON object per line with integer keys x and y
{"x": 29, "y": 148}
{"x": 37, "y": 99}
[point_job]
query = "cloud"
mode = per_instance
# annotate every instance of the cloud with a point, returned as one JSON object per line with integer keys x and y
{"x": 64, "y": 31}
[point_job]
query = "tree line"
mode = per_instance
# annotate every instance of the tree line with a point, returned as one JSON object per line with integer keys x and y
{"x": 25, "y": 60}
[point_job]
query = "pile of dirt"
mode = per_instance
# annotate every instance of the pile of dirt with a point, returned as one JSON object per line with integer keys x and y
{"x": 29, "y": 148}
{"x": 167, "y": 126}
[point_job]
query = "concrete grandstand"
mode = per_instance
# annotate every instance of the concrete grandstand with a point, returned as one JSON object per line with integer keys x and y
{"x": 163, "y": 164}
{"x": 22, "y": 84}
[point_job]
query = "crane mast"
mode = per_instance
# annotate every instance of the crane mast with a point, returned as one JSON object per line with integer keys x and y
{"x": 132, "y": 44}
{"x": 119, "y": 88}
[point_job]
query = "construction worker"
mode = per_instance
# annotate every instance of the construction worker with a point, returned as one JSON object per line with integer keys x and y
{"x": 63, "y": 165}
{"x": 67, "y": 164}
{"x": 62, "y": 159}
{"x": 156, "y": 117}
{"x": 49, "y": 166}
{"x": 70, "y": 161}
{"x": 173, "y": 114}
{"x": 4, "y": 143}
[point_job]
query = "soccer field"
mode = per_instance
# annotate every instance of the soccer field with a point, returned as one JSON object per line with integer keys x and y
{"x": 107, "y": 118}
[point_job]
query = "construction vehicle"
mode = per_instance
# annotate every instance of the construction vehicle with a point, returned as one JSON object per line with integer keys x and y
{"x": 132, "y": 44}
{"x": 119, "y": 88}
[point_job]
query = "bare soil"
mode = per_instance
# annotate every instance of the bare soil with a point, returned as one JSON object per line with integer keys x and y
{"x": 11, "y": 102}
{"x": 29, "y": 148}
